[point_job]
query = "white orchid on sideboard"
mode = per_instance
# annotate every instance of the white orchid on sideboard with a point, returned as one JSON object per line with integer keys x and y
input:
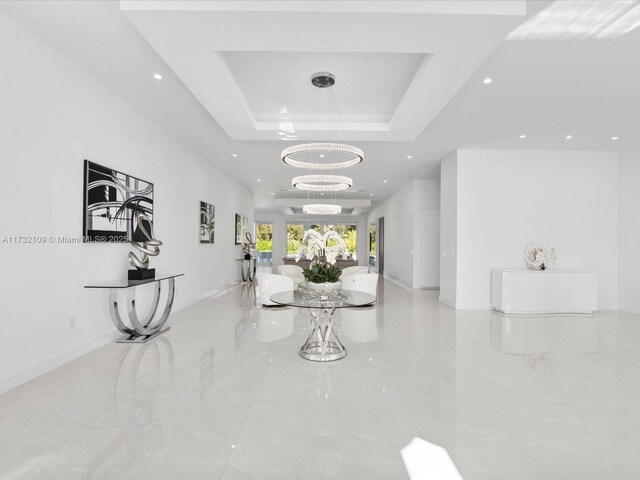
{"x": 540, "y": 256}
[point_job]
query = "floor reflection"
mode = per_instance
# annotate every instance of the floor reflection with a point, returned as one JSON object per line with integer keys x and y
{"x": 274, "y": 324}
{"x": 224, "y": 394}
{"x": 544, "y": 334}
{"x": 143, "y": 373}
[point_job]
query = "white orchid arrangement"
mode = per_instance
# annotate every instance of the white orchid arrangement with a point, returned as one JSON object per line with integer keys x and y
{"x": 540, "y": 256}
{"x": 316, "y": 247}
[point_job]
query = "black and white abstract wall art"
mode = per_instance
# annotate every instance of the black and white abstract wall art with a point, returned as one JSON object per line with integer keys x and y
{"x": 207, "y": 222}
{"x": 242, "y": 224}
{"x": 111, "y": 199}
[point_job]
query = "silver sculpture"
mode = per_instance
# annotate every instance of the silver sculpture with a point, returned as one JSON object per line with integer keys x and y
{"x": 148, "y": 248}
{"x": 249, "y": 246}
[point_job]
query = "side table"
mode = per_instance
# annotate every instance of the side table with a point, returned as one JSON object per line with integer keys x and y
{"x": 138, "y": 330}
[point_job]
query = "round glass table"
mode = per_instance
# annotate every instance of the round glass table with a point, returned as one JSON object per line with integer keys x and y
{"x": 323, "y": 344}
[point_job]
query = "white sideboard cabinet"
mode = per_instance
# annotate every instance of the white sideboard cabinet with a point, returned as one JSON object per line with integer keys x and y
{"x": 550, "y": 291}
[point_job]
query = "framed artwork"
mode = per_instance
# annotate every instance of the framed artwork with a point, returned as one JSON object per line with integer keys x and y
{"x": 242, "y": 224}
{"x": 111, "y": 200}
{"x": 207, "y": 222}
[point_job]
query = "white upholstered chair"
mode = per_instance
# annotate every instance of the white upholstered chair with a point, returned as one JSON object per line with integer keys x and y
{"x": 292, "y": 271}
{"x": 362, "y": 282}
{"x": 268, "y": 284}
{"x": 355, "y": 270}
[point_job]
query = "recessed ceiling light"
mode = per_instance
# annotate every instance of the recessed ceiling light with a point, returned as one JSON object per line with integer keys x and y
{"x": 385, "y": 181}
{"x": 271, "y": 193}
{"x": 409, "y": 157}
{"x": 569, "y": 137}
{"x": 157, "y": 76}
{"x": 258, "y": 180}
{"x": 371, "y": 194}
{"x": 322, "y": 194}
{"x": 487, "y": 81}
{"x": 614, "y": 138}
{"x": 523, "y": 136}
{"x": 322, "y": 155}
{"x": 234, "y": 155}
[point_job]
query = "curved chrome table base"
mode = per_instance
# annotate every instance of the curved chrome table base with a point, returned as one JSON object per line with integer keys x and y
{"x": 323, "y": 344}
{"x": 141, "y": 331}
{"x": 248, "y": 268}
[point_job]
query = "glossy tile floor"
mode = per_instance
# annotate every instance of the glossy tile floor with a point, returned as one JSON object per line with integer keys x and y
{"x": 225, "y": 395}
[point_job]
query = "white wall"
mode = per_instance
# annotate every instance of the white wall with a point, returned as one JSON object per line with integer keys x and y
{"x": 404, "y": 244}
{"x": 629, "y": 240}
{"x": 449, "y": 229}
{"x": 54, "y": 116}
{"x": 510, "y": 198}
{"x": 280, "y": 220}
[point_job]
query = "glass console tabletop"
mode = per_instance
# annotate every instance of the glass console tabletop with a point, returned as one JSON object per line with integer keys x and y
{"x": 314, "y": 299}
{"x": 134, "y": 283}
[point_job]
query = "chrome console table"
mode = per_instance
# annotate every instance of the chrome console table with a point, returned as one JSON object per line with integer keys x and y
{"x": 248, "y": 269}
{"x": 323, "y": 344}
{"x": 138, "y": 330}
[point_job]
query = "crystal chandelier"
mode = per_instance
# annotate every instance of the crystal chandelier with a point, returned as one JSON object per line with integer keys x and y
{"x": 322, "y": 209}
{"x": 322, "y": 183}
{"x": 337, "y": 156}
{"x": 288, "y": 154}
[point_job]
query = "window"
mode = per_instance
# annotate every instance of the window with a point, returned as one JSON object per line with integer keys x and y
{"x": 348, "y": 234}
{"x": 295, "y": 232}
{"x": 372, "y": 244}
{"x": 264, "y": 242}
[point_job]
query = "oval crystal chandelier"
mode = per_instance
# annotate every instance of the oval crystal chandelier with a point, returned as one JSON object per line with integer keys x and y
{"x": 357, "y": 155}
{"x": 322, "y": 209}
{"x": 321, "y": 183}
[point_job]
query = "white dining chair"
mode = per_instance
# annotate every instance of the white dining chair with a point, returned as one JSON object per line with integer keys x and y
{"x": 292, "y": 271}
{"x": 362, "y": 282}
{"x": 268, "y": 284}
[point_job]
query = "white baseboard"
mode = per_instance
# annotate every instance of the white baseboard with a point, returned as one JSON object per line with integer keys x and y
{"x": 446, "y": 301}
{"x": 630, "y": 308}
{"x": 216, "y": 292}
{"x": 20, "y": 377}
{"x": 397, "y": 281}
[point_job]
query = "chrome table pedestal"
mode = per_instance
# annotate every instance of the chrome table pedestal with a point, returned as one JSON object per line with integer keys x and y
{"x": 323, "y": 344}
{"x": 136, "y": 329}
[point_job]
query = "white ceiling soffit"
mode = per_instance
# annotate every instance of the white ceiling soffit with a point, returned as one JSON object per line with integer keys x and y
{"x": 397, "y": 63}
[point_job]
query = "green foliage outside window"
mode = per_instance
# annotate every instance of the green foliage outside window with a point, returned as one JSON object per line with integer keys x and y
{"x": 295, "y": 233}
{"x": 294, "y": 238}
{"x": 264, "y": 237}
{"x": 372, "y": 240}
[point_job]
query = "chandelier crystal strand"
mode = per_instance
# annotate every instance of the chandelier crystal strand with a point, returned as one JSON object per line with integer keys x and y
{"x": 322, "y": 183}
